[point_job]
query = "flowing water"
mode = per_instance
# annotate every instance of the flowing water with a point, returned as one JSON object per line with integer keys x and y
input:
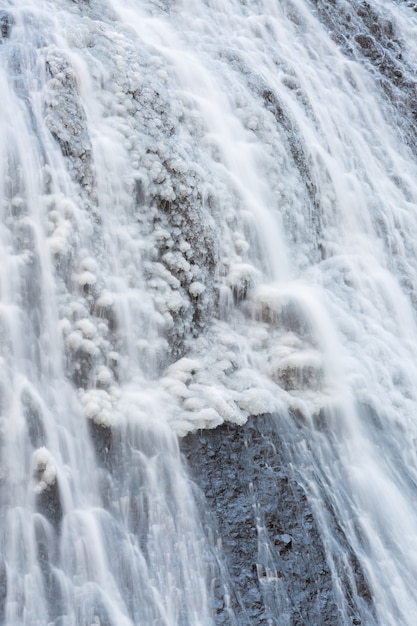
{"x": 209, "y": 211}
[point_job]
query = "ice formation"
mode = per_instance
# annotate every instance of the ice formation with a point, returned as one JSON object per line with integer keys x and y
{"x": 44, "y": 469}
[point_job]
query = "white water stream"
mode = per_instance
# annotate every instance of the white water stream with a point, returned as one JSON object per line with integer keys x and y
{"x": 208, "y": 211}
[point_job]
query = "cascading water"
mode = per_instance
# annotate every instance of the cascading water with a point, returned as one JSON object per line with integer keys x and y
{"x": 208, "y": 213}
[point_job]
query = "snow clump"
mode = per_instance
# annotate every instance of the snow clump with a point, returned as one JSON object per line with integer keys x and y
{"x": 44, "y": 469}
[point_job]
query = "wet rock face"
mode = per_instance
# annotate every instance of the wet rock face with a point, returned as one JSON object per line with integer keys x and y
{"x": 6, "y": 24}
{"x": 367, "y": 35}
{"x": 66, "y": 117}
{"x": 275, "y": 561}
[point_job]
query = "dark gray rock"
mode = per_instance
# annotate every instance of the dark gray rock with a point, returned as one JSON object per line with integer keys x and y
{"x": 274, "y": 566}
{"x": 49, "y": 504}
{"x": 6, "y": 24}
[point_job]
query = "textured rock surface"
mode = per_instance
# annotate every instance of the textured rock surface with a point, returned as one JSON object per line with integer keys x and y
{"x": 274, "y": 557}
{"x": 365, "y": 33}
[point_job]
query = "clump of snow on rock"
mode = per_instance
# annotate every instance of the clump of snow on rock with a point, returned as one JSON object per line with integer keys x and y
{"x": 44, "y": 469}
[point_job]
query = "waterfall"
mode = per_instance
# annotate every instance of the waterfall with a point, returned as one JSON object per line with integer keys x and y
{"x": 208, "y": 215}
